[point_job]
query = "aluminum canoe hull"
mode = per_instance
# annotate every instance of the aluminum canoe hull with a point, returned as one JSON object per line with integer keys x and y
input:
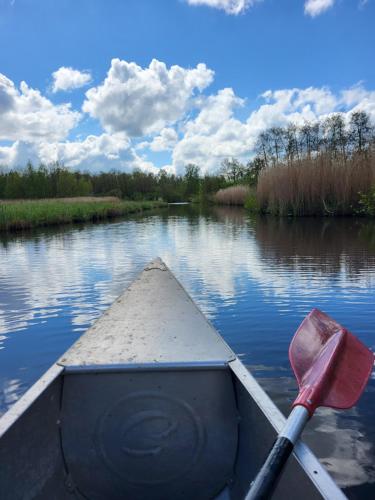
{"x": 150, "y": 403}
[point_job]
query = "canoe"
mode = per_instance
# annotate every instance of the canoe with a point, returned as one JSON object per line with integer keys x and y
{"x": 150, "y": 403}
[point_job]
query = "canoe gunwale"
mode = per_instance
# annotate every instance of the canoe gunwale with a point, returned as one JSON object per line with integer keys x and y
{"x": 304, "y": 456}
{"x": 146, "y": 367}
{"x": 26, "y": 400}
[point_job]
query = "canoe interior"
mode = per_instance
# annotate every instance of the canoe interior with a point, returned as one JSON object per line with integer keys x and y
{"x": 129, "y": 435}
{"x": 190, "y": 429}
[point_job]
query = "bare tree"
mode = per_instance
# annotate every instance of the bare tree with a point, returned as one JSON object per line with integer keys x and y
{"x": 292, "y": 143}
{"x": 277, "y": 136}
{"x": 361, "y": 131}
{"x": 336, "y": 136}
{"x": 263, "y": 148}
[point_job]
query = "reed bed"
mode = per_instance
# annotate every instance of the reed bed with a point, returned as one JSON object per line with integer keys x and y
{"x": 234, "y": 195}
{"x": 29, "y": 214}
{"x": 318, "y": 186}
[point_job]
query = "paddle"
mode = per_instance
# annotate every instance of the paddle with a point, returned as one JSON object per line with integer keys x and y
{"x": 332, "y": 368}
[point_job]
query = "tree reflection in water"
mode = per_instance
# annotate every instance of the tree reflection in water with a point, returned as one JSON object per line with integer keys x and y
{"x": 255, "y": 277}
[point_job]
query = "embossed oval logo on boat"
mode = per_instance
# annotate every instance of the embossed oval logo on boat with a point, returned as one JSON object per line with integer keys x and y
{"x": 146, "y": 433}
{"x": 150, "y": 438}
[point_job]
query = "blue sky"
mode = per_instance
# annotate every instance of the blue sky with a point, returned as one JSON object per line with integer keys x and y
{"x": 226, "y": 70}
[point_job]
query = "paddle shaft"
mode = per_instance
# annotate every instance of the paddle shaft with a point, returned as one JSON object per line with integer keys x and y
{"x": 267, "y": 478}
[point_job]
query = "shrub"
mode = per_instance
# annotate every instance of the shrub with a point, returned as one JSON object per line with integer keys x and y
{"x": 251, "y": 203}
{"x": 367, "y": 203}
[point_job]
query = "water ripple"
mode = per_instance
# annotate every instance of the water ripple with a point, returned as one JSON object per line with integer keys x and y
{"x": 255, "y": 278}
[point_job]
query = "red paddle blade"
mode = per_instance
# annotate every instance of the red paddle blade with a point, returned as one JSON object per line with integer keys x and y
{"x": 332, "y": 366}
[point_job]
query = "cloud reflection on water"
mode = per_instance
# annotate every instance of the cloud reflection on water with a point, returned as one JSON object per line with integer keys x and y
{"x": 254, "y": 277}
{"x": 40, "y": 276}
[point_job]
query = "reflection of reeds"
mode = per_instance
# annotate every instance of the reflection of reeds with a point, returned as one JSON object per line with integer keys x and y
{"x": 232, "y": 214}
{"x": 235, "y": 195}
{"x": 320, "y": 245}
{"x": 316, "y": 186}
{"x": 28, "y": 214}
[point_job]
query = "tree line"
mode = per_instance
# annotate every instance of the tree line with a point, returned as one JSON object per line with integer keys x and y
{"x": 325, "y": 168}
{"x": 333, "y": 137}
{"x": 336, "y": 138}
{"x": 55, "y": 181}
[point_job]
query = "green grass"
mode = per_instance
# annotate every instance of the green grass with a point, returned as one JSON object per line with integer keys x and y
{"x": 29, "y": 214}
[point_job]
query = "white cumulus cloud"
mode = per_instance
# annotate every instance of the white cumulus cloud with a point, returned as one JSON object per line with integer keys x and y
{"x": 166, "y": 111}
{"x": 90, "y": 153}
{"x": 315, "y": 7}
{"x": 292, "y": 105}
{"x": 26, "y": 115}
{"x": 18, "y": 154}
{"x": 141, "y": 101}
{"x": 229, "y": 6}
{"x": 68, "y": 79}
{"x": 165, "y": 141}
{"x": 95, "y": 153}
{"x": 215, "y": 133}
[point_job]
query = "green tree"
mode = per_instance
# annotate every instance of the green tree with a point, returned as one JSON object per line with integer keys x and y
{"x": 233, "y": 170}
{"x": 254, "y": 168}
{"x": 66, "y": 184}
{"x": 192, "y": 180}
{"x": 14, "y": 186}
{"x": 84, "y": 187}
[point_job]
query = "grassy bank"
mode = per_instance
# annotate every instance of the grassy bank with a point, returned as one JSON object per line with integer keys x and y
{"x": 26, "y": 214}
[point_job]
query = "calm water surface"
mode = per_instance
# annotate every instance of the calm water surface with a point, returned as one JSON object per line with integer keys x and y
{"x": 256, "y": 278}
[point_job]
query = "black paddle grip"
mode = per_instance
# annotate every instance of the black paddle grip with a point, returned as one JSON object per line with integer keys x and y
{"x": 267, "y": 478}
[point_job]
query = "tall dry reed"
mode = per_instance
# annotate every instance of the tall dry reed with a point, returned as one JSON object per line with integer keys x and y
{"x": 317, "y": 186}
{"x": 234, "y": 195}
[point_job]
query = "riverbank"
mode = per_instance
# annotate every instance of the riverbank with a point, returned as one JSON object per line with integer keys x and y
{"x": 27, "y": 214}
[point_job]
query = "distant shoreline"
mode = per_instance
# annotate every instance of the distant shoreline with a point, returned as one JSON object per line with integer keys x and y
{"x": 28, "y": 214}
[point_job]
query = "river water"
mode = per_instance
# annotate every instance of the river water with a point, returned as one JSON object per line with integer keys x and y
{"x": 254, "y": 277}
